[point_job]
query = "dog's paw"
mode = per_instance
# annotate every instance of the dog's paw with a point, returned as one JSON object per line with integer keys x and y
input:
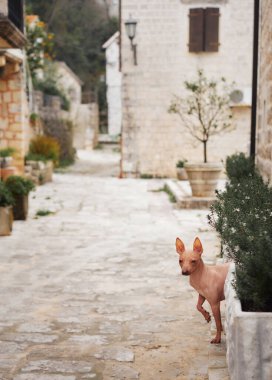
{"x": 216, "y": 340}
{"x": 207, "y": 316}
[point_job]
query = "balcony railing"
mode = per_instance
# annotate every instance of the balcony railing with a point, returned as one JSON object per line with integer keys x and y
{"x": 16, "y": 13}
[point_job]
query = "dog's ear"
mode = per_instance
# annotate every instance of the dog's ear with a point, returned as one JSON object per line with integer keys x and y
{"x": 180, "y": 248}
{"x": 197, "y": 246}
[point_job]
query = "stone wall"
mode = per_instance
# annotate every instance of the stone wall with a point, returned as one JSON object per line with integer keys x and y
{"x": 114, "y": 81}
{"x": 153, "y": 139}
{"x": 87, "y": 126}
{"x": 264, "y": 123}
{"x": 14, "y": 126}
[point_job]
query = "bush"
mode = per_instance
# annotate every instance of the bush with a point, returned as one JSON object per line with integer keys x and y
{"x": 242, "y": 216}
{"x": 239, "y": 166}
{"x": 35, "y": 157}
{"x": 6, "y": 198}
{"x": 46, "y": 147}
{"x": 18, "y": 185}
{"x": 7, "y": 152}
{"x": 181, "y": 163}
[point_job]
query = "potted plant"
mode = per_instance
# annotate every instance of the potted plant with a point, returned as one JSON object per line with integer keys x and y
{"x": 242, "y": 216}
{"x": 181, "y": 171}
{"x": 6, "y": 217}
{"x": 6, "y": 162}
{"x": 20, "y": 188}
{"x": 44, "y": 153}
{"x": 205, "y": 112}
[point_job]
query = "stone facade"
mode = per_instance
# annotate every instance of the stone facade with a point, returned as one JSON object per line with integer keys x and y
{"x": 83, "y": 116}
{"x": 264, "y": 123}
{"x": 15, "y": 128}
{"x": 114, "y": 81}
{"x": 153, "y": 139}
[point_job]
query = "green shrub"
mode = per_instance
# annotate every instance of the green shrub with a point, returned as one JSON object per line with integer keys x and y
{"x": 18, "y": 185}
{"x": 181, "y": 163}
{"x": 242, "y": 216}
{"x": 7, "y": 152}
{"x": 45, "y": 146}
{"x": 6, "y": 198}
{"x": 35, "y": 157}
{"x": 239, "y": 166}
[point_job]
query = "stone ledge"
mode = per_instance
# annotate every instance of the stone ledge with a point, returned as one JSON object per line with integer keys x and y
{"x": 182, "y": 192}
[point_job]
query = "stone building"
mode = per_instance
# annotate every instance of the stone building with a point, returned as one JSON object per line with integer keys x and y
{"x": 174, "y": 39}
{"x": 264, "y": 120}
{"x": 113, "y": 81}
{"x": 84, "y": 116}
{"x": 14, "y": 125}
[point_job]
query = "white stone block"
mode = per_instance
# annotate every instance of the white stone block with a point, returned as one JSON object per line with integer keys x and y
{"x": 248, "y": 337}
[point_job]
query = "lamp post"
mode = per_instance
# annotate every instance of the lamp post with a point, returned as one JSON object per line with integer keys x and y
{"x": 131, "y": 25}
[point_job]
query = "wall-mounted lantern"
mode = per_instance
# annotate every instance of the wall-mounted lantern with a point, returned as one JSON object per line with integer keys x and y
{"x": 131, "y": 25}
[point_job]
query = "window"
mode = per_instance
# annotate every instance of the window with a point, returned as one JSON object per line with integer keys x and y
{"x": 204, "y": 30}
{"x": 16, "y": 13}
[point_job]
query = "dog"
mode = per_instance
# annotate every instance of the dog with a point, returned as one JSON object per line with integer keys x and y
{"x": 208, "y": 281}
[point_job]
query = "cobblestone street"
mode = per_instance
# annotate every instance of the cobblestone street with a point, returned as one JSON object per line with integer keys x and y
{"x": 93, "y": 290}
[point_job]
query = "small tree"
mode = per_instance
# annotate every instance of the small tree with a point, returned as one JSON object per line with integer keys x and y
{"x": 205, "y": 111}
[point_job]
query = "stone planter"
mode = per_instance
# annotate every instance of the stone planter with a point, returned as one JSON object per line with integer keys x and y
{"x": 20, "y": 208}
{"x": 182, "y": 174}
{"x": 40, "y": 172}
{"x": 203, "y": 178}
{"x": 6, "y": 220}
{"x": 248, "y": 337}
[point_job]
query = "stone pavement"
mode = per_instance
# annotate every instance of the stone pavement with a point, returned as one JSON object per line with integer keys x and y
{"x": 93, "y": 290}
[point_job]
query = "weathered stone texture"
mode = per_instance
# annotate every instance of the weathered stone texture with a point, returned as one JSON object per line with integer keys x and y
{"x": 14, "y": 126}
{"x": 153, "y": 139}
{"x": 264, "y": 125}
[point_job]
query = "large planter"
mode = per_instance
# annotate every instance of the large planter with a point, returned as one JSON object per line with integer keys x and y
{"x": 203, "y": 178}
{"x": 248, "y": 337}
{"x": 20, "y": 208}
{"x": 6, "y": 219}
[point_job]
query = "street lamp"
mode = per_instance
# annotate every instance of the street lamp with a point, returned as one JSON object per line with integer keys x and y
{"x": 131, "y": 25}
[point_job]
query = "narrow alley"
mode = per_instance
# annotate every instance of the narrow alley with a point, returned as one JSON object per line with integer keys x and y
{"x": 92, "y": 289}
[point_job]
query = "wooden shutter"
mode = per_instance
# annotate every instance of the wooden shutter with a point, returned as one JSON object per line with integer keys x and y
{"x": 196, "y": 30}
{"x": 211, "y": 33}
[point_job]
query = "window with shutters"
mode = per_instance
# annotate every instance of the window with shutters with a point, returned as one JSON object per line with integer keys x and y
{"x": 204, "y": 30}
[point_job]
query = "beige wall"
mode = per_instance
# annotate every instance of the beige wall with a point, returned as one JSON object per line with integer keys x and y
{"x": 153, "y": 139}
{"x": 14, "y": 126}
{"x": 264, "y": 124}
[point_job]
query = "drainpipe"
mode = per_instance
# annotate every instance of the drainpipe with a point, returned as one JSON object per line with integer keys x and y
{"x": 120, "y": 69}
{"x": 254, "y": 79}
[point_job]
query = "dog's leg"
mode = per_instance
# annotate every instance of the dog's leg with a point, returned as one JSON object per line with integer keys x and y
{"x": 217, "y": 317}
{"x": 200, "y": 308}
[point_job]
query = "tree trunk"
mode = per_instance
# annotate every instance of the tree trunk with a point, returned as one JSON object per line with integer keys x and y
{"x": 205, "y": 151}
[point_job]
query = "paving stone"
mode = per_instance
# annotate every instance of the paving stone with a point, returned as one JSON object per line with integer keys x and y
{"x": 34, "y": 328}
{"x": 60, "y": 366}
{"x": 43, "y": 377}
{"x": 35, "y": 338}
{"x": 122, "y": 372}
{"x": 11, "y": 348}
{"x": 89, "y": 339}
{"x": 116, "y": 353}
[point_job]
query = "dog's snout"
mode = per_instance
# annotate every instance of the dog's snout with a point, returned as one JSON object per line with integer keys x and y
{"x": 185, "y": 273}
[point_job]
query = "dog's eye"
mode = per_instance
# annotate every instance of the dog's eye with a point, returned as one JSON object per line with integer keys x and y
{"x": 193, "y": 261}
{"x": 180, "y": 261}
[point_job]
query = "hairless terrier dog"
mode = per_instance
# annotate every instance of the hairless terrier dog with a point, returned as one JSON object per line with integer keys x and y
{"x": 208, "y": 281}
